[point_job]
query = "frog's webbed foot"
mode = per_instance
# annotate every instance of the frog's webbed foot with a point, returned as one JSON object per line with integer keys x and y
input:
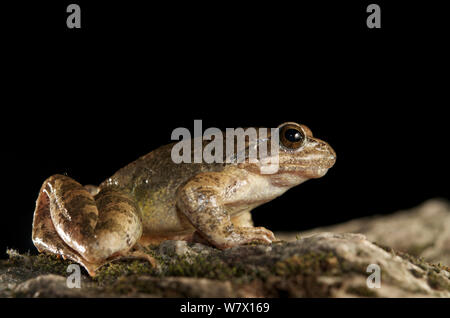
{"x": 69, "y": 222}
{"x": 247, "y": 235}
{"x": 244, "y": 224}
{"x": 202, "y": 206}
{"x": 47, "y": 240}
{"x": 243, "y": 235}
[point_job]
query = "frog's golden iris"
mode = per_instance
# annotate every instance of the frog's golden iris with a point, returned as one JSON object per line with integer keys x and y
{"x": 292, "y": 136}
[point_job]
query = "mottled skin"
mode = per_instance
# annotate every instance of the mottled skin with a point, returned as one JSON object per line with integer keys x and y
{"x": 153, "y": 199}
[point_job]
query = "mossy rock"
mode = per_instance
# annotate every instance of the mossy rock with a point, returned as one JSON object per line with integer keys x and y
{"x": 323, "y": 265}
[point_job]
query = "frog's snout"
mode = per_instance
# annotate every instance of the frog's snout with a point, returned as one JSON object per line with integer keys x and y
{"x": 327, "y": 154}
{"x": 331, "y": 156}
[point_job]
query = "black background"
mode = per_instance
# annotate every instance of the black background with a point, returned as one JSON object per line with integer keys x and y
{"x": 87, "y": 102}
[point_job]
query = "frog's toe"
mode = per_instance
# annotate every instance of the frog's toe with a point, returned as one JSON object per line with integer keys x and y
{"x": 257, "y": 235}
{"x": 266, "y": 232}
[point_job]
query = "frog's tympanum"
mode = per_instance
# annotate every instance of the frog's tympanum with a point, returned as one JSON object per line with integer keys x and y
{"x": 154, "y": 199}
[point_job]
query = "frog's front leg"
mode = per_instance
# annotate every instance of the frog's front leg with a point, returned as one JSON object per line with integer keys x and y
{"x": 202, "y": 199}
{"x": 68, "y": 221}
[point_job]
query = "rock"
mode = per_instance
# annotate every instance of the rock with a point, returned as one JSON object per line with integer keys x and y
{"x": 422, "y": 231}
{"x": 191, "y": 287}
{"x": 46, "y": 286}
{"x": 320, "y": 265}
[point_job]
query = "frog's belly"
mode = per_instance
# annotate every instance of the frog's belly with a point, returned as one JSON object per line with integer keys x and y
{"x": 164, "y": 220}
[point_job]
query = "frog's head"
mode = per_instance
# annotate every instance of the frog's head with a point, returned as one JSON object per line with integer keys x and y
{"x": 300, "y": 155}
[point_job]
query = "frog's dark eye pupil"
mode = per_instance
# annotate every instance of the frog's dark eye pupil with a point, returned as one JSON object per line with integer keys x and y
{"x": 293, "y": 135}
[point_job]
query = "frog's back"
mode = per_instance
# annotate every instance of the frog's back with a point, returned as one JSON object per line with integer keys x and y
{"x": 153, "y": 180}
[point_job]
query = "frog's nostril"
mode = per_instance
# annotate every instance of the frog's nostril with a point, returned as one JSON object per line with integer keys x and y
{"x": 327, "y": 148}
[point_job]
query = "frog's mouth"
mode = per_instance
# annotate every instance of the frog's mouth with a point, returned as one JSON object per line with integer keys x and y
{"x": 316, "y": 172}
{"x": 309, "y": 171}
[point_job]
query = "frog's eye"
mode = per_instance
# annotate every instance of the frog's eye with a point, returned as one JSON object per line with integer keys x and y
{"x": 292, "y": 136}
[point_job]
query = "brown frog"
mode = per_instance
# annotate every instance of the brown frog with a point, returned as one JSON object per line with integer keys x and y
{"x": 154, "y": 199}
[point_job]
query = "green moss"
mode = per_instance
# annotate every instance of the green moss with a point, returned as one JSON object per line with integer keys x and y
{"x": 112, "y": 271}
{"x": 177, "y": 266}
{"x": 51, "y": 264}
{"x": 307, "y": 264}
{"x": 207, "y": 267}
{"x": 287, "y": 277}
{"x": 133, "y": 284}
{"x": 42, "y": 263}
{"x": 125, "y": 280}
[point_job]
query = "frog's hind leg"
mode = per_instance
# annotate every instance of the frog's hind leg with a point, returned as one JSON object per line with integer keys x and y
{"x": 47, "y": 240}
{"x": 96, "y": 230}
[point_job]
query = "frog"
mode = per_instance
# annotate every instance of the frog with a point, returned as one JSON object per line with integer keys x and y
{"x": 154, "y": 199}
